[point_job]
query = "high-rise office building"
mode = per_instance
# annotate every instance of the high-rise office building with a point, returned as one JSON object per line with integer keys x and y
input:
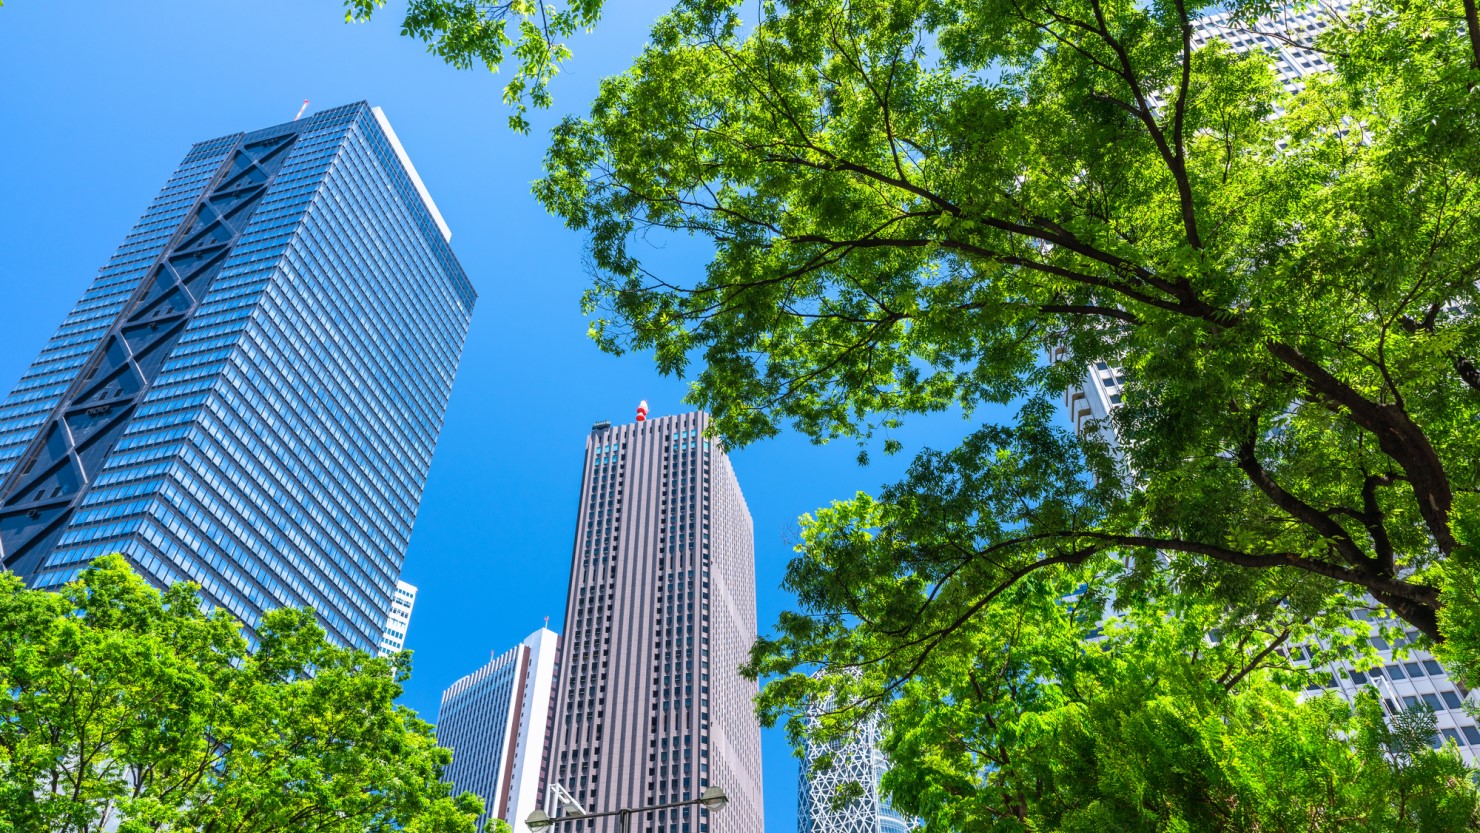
{"x": 1416, "y": 678}
{"x": 651, "y": 707}
{"x": 398, "y": 619}
{"x": 249, "y": 393}
{"x": 495, "y": 721}
{"x": 857, "y": 760}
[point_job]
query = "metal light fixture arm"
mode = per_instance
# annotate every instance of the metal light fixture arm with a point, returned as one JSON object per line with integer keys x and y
{"x": 713, "y": 798}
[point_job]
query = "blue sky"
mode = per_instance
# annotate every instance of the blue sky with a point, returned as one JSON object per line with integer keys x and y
{"x": 102, "y": 99}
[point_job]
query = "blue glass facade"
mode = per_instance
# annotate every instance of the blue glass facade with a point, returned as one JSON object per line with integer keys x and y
{"x": 278, "y": 442}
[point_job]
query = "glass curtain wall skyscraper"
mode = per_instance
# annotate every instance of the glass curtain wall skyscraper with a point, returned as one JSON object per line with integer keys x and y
{"x": 249, "y": 393}
{"x": 495, "y": 721}
{"x": 650, "y": 706}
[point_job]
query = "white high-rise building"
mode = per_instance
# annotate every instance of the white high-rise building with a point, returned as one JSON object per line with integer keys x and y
{"x": 855, "y": 760}
{"x": 398, "y": 619}
{"x": 1418, "y": 677}
{"x": 496, "y": 721}
{"x": 1285, "y": 35}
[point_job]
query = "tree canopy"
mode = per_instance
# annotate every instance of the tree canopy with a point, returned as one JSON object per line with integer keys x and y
{"x": 1152, "y": 728}
{"x": 132, "y": 710}
{"x": 469, "y": 33}
{"x": 911, "y": 204}
{"x": 908, "y": 203}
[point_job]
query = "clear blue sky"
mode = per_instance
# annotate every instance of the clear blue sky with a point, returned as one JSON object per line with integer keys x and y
{"x": 99, "y": 102}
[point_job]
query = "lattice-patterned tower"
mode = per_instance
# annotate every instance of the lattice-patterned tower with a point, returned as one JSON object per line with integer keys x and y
{"x": 650, "y": 705}
{"x": 857, "y": 760}
{"x": 249, "y": 393}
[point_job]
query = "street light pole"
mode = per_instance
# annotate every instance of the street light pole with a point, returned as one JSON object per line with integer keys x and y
{"x": 713, "y": 798}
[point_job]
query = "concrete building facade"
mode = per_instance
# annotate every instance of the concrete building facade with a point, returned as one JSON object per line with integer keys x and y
{"x": 651, "y": 707}
{"x": 398, "y": 618}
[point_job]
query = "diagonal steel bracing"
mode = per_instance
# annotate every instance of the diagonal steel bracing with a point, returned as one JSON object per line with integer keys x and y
{"x": 49, "y": 481}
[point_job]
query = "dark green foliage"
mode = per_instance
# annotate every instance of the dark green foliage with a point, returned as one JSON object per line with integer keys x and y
{"x": 469, "y": 33}
{"x": 908, "y": 202}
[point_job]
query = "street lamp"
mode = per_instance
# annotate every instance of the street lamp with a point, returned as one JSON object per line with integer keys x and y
{"x": 713, "y": 799}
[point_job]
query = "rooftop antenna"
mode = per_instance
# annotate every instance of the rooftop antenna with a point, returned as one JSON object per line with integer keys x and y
{"x": 547, "y": 623}
{"x": 301, "y": 109}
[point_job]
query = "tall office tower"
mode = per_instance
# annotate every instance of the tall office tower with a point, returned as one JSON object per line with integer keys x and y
{"x": 1285, "y": 34}
{"x": 1403, "y": 683}
{"x": 858, "y": 760}
{"x": 651, "y": 707}
{"x": 398, "y": 619}
{"x": 495, "y": 721}
{"x": 249, "y": 393}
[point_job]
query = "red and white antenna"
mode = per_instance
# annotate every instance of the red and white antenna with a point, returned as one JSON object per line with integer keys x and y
{"x": 301, "y": 109}
{"x": 642, "y": 410}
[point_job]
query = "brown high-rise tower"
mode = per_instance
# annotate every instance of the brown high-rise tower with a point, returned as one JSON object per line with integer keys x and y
{"x": 650, "y": 706}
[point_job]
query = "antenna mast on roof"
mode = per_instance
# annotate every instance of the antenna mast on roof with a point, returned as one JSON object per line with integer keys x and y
{"x": 301, "y": 109}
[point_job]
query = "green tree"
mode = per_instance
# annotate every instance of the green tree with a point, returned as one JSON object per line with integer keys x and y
{"x": 469, "y": 33}
{"x": 907, "y": 202}
{"x": 1151, "y": 728}
{"x": 130, "y": 707}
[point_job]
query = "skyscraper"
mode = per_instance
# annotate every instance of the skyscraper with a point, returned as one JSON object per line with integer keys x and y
{"x": 651, "y": 707}
{"x": 495, "y": 722}
{"x": 249, "y": 393}
{"x": 398, "y": 618}
{"x": 856, "y": 760}
{"x": 1416, "y": 678}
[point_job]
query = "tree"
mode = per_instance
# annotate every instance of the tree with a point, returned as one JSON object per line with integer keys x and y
{"x": 468, "y": 33}
{"x": 1149, "y": 728}
{"x": 131, "y": 707}
{"x": 906, "y": 202}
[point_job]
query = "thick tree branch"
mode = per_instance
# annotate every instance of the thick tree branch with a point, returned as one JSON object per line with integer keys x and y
{"x": 1399, "y": 437}
{"x": 1416, "y": 603}
{"x": 1472, "y": 25}
{"x": 1322, "y": 523}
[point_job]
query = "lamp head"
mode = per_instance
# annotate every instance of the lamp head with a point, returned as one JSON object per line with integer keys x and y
{"x": 714, "y": 798}
{"x": 566, "y": 801}
{"x": 538, "y": 820}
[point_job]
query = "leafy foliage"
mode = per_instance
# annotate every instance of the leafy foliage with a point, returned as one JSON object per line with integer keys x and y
{"x": 907, "y": 202}
{"x": 131, "y": 707}
{"x": 1033, "y": 717}
{"x": 468, "y": 33}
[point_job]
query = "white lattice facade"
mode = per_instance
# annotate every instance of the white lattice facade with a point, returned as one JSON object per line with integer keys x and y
{"x": 856, "y": 760}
